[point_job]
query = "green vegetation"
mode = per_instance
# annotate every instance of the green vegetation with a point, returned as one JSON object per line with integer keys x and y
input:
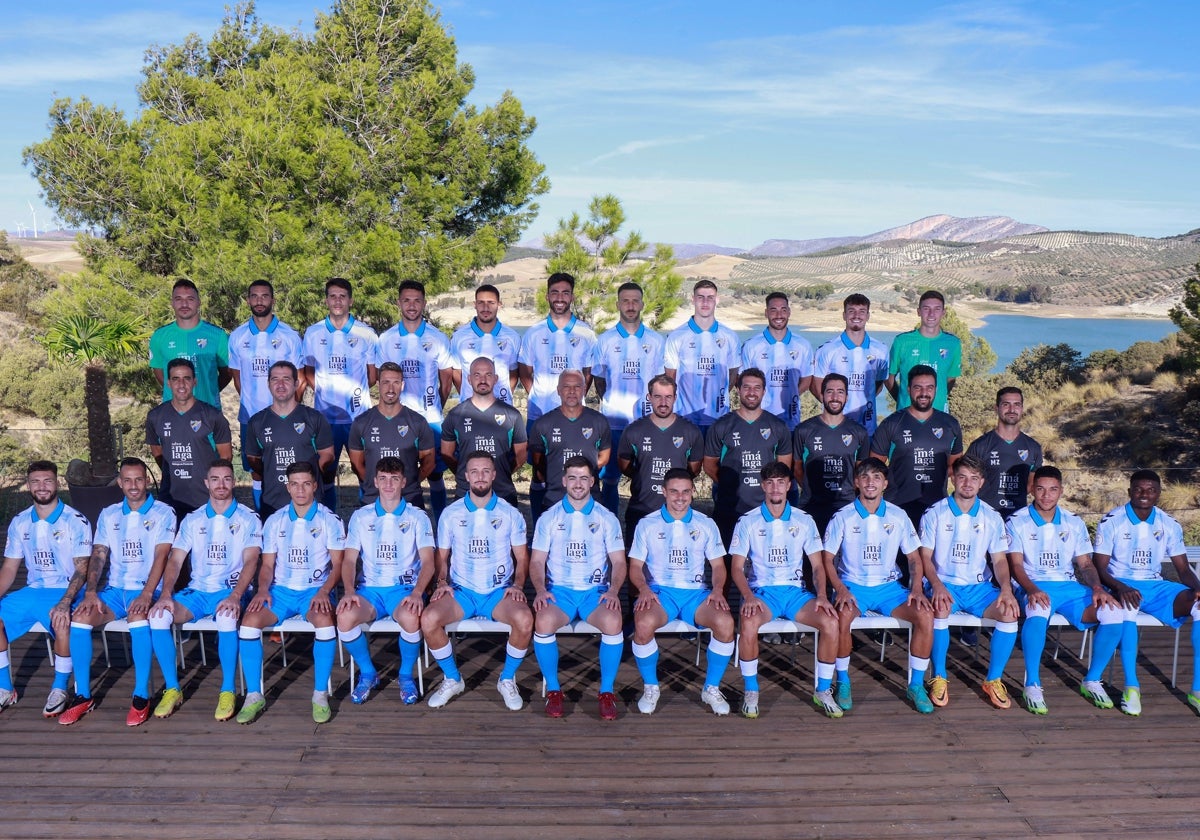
{"x": 270, "y": 153}
{"x": 1035, "y": 293}
{"x": 593, "y": 252}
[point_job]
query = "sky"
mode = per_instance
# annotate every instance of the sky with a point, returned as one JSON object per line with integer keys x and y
{"x": 732, "y": 123}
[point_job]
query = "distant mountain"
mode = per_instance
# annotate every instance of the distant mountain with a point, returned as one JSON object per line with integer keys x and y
{"x": 943, "y": 227}
{"x": 686, "y": 251}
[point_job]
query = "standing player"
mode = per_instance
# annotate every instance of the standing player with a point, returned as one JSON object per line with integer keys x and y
{"x": 423, "y": 353}
{"x": 737, "y": 447}
{"x": 485, "y": 336}
{"x": 253, "y": 347}
{"x": 785, "y": 357}
{"x": 301, "y": 563}
{"x": 394, "y": 540}
{"x": 132, "y": 540}
{"x": 1009, "y": 455}
{"x": 1051, "y": 559}
{"x": 666, "y": 565}
{"x": 185, "y": 436}
{"x": 392, "y": 430}
{"x": 919, "y": 444}
{"x": 702, "y": 358}
{"x": 224, "y": 540}
{"x": 856, "y": 356}
{"x": 927, "y": 345}
{"x": 771, "y": 542}
{"x": 561, "y": 342}
{"x": 339, "y": 361}
{"x": 205, "y": 345}
{"x": 282, "y": 434}
{"x": 578, "y": 567}
{"x": 55, "y": 543}
{"x": 825, "y": 449}
{"x": 627, "y": 357}
{"x": 964, "y": 557}
{"x": 563, "y": 432}
{"x": 861, "y": 546}
{"x": 487, "y": 424}
{"x": 1132, "y": 544}
{"x": 482, "y": 562}
{"x": 653, "y": 446}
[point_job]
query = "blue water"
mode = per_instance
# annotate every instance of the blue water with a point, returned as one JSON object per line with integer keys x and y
{"x": 1010, "y": 334}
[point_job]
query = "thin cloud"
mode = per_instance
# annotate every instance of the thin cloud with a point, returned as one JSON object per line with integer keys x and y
{"x": 635, "y": 146}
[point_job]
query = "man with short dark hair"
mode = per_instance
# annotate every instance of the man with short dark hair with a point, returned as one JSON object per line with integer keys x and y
{"x": 1009, "y": 455}
{"x": 577, "y": 567}
{"x": 737, "y": 447}
{"x": 1050, "y": 554}
{"x": 394, "y": 541}
{"x": 627, "y": 357}
{"x": 702, "y": 357}
{"x": 927, "y": 345}
{"x": 768, "y": 549}
{"x": 1133, "y": 543}
{"x": 825, "y": 449}
{"x": 919, "y": 444}
{"x": 559, "y": 343}
{"x": 482, "y": 563}
{"x": 303, "y": 545}
{"x": 651, "y": 447}
{"x": 282, "y": 434}
{"x": 485, "y": 336}
{"x": 785, "y": 358}
{"x": 858, "y": 357}
{"x": 224, "y": 540}
{"x": 133, "y": 538}
{"x": 667, "y": 561}
{"x": 205, "y": 345}
{"x": 423, "y": 353}
{"x": 55, "y": 543}
{"x": 254, "y": 346}
{"x": 563, "y": 432}
{"x": 185, "y": 436}
{"x": 339, "y": 362}
{"x": 391, "y": 430}
{"x": 861, "y": 546}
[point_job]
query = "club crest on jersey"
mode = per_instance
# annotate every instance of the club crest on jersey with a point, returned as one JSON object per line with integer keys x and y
{"x": 352, "y": 341}
{"x": 646, "y": 349}
{"x": 694, "y": 533}
{"x": 721, "y": 343}
{"x": 1023, "y": 454}
{"x": 1064, "y": 535}
{"x": 573, "y": 341}
{"x": 299, "y": 427}
{"x": 766, "y": 433}
{"x": 403, "y": 430}
{"x": 195, "y": 424}
{"x": 314, "y": 531}
{"x": 275, "y": 343}
{"x": 148, "y": 524}
{"x": 426, "y": 346}
{"x": 499, "y": 418}
{"x": 593, "y": 527}
{"x": 888, "y": 527}
{"x": 404, "y": 526}
{"x": 201, "y": 343}
{"x": 1158, "y": 535}
{"x": 235, "y": 527}
{"x": 587, "y": 433}
{"x": 846, "y": 439}
{"x": 794, "y": 531}
{"x": 937, "y": 433}
{"x": 942, "y": 352}
{"x": 502, "y": 344}
{"x": 497, "y": 522}
{"x": 678, "y": 441}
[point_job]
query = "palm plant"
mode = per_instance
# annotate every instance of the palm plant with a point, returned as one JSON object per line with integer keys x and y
{"x": 97, "y": 344}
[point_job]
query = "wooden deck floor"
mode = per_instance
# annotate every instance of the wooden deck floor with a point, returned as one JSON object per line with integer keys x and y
{"x": 476, "y": 770}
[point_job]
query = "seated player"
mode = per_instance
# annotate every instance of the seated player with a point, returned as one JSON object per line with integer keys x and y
{"x": 578, "y": 567}
{"x": 224, "y": 539}
{"x": 771, "y": 542}
{"x": 964, "y": 557}
{"x": 133, "y": 538}
{"x": 301, "y": 563}
{"x": 394, "y": 540}
{"x": 482, "y": 562}
{"x": 666, "y": 565}
{"x": 861, "y": 546}
{"x": 1132, "y": 544}
{"x": 1050, "y": 555}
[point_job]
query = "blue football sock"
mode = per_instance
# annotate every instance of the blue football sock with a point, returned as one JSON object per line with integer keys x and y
{"x": 1003, "y": 643}
{"x": 610, "y": 661}
{"x": 1033, "y": 642}
{"x": 360, "y": 651}
{"x": 409, "y": 651}
{"x": 227, "y": 652}
{"x": 941, "y": 648}
{"x": 323, "y": 651}
{"x": 545, "y": 650}
{"x": 81, "y": 657}
{"x": 143, "y": 657}
{"x": 251, "y": 651}
{"x": 1104, "y": 644}
{"x": 163, "y": 642}
{"x": 1129, "y": 652}
{"x": 512, "y": 661}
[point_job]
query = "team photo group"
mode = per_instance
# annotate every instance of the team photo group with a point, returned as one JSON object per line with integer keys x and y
{"x": 819, "y": 521}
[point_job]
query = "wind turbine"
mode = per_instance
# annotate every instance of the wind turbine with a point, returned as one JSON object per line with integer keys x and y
{"x": 34, "y": 214}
